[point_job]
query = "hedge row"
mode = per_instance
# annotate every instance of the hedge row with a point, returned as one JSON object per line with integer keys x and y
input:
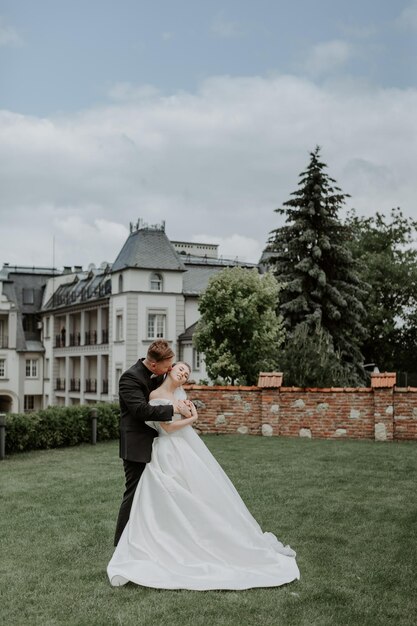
{"x": 55, "y": 427}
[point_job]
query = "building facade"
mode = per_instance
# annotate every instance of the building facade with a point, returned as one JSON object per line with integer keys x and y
{"x": 22, "y": 360}
{"x": 66, "y": 337}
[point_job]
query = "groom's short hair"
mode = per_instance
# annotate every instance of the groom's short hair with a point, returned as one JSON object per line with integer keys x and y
{"x": 159, "y": 350}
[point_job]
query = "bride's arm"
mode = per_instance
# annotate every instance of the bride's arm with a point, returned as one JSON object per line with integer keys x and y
{"x": 171, "y": 427}
{"x": 180, "y": 405}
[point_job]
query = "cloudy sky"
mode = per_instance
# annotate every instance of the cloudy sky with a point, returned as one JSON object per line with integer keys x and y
{"x": 199, "y": 113}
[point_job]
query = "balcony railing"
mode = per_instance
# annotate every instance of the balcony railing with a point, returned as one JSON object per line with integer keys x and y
{"x": 91, "y": 385}
{"x": 105, "y": 387}
{"x": 60, "y": 384}
{"x": 90, "y": 337}
{"x": 75, "y": 384}
{"x": 4, "y": 341}
{"x": 75, "y": 339}
{"x": 105, "y": 335}
{"x": 59, "y": 341}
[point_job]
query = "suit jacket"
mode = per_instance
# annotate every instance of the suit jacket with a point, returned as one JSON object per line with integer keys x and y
{"x": 136, "y": 437}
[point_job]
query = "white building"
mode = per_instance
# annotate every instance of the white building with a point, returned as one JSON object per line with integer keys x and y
{"x": 66, "y": 337}
{"x": 22, "y": 375}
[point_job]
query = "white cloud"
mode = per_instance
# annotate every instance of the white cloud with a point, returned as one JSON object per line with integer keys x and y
{"x": 407, "y": 19}
{"x": 126, "y": 91}
{"x": 359, "y": 31}
{"x": 328, "y": 56}
{"x": 8, "y": 35}
{"x": 225, "y": 28}
{"x": 217, "y": 162}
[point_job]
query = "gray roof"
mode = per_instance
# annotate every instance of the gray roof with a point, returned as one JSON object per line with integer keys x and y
{"x": 10, "y": 292}
{"x": 201, "y": 269}
{"x": 34, "y": 346}
{"x": 148, "y": 249}
{"x": 86, "y": 286}
{"x": 188, "y": 333}
{"x": 18, "y": 282}
{"x": 196, "y": 278}
{"x": 28, "y": 270}
{"x": 20, "y": 279}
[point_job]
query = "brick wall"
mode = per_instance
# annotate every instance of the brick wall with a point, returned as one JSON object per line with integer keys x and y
{"x": 405, "y": 414}
{"x": 378, "y": 412}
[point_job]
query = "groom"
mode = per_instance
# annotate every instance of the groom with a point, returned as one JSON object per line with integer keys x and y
{"x": 136, "y": 437}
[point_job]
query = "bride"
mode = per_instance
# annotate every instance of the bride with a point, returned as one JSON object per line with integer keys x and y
{"x": 188, "y": 527}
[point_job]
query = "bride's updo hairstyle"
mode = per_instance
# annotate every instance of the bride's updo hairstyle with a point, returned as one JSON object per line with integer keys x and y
{"x": 159, "y": 350}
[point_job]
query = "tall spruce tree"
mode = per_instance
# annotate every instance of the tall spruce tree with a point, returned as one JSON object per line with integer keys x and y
{"x": 310, "y": 257}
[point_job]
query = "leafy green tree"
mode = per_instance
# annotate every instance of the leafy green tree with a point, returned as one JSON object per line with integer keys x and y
{"x": 310, "y": 257}
{"x": 239, "y": 331}
{"x": 385, "y": 248}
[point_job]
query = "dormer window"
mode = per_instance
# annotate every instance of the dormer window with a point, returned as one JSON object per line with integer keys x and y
{"x": 28, "y": 296}
{"x": 156, "y": 282}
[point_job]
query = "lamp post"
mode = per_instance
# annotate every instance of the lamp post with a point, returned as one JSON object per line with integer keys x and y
{"x": 93, "y": 418}
{"x": 2, "y": 436}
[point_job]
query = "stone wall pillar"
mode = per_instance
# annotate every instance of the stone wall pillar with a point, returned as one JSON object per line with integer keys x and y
{"x": 270, "y": 383}
{"x": 383, "y": 386}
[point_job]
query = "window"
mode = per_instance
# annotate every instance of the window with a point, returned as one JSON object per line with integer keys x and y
{"x": 156, "y": 325}
{"x": 156, "y": 282}
{"x": 120, "y": 283}
{"x": 3, "y": 336}
{"x": 28, "y": 296}
{"x": 31, "y": 368}
{"x": 2, "y": 368}
{"x": 47, "y": 319}
{"x": 196, "y": 359}
{"x": 29, "y": 403}
{"x": 118, "y": 374}
{"x": 30, "y": 323}
{"x": 119, "y": 326}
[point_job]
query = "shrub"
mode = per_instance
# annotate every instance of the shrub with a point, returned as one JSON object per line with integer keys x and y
{"x": 55, "y": 427}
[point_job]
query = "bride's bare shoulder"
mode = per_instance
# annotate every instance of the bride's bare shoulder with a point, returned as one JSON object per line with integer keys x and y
{"x": 160, "y": 394}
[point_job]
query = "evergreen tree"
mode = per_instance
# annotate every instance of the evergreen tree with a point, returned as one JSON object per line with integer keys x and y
{"x": 310, "y": 257}
{"x": 309, "y": 359}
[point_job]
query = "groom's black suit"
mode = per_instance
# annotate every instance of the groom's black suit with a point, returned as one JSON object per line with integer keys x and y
{"x": 136, "y": 437}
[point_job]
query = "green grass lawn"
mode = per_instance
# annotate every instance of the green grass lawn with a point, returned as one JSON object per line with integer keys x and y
{"x": 349, "y": 508}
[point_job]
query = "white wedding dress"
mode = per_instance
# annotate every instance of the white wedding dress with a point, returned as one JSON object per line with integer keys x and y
{"x": 189, "y": 528}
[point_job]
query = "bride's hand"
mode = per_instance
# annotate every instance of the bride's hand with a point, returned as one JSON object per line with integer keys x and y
{"x": 194, "y": 413}
{"x": 182, "y": 407}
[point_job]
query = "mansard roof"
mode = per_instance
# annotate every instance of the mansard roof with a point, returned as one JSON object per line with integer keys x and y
{"x": 16, "y": 281}
{"x": 92, "y": 285}
{"x": 148, "y": 248}
{"x": 201, "y": 269}
{"x": 196, "y": 279}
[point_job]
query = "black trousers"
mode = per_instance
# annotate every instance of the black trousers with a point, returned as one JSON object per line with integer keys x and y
{"x": 133, "y": 472}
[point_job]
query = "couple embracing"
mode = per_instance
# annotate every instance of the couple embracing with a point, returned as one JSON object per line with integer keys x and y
{"x": 182, "y": 524}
